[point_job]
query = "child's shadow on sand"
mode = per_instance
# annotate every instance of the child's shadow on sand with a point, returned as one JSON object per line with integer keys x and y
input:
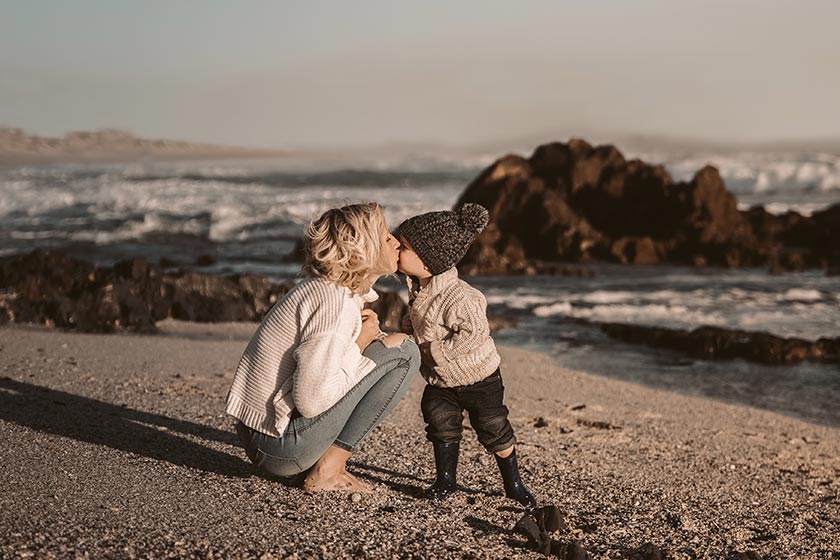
{"x": 125, "y": 429}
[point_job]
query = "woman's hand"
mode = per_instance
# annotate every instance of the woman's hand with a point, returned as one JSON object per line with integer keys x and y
{"x": 370, "y": 329}
{"x": 393, "y": 340}
{"x": 405, "y": 324}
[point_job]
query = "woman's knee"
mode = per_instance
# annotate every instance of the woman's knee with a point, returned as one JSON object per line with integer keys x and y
{"x": 407, "y": 351}
{"x": 412, "y": 352}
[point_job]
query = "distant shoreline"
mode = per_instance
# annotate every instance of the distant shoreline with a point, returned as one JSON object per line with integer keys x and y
{"x": 113, "y": 146}
{"x": 133, "y": 157}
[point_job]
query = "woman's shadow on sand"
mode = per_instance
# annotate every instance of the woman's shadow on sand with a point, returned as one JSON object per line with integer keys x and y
{"x": 125, "y": 429}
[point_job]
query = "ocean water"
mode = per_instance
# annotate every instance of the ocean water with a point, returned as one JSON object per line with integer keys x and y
{"x": 554, "y": 315}
{"x": 248, "y": 215}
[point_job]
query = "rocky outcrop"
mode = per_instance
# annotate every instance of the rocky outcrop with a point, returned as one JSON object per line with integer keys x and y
{"x": 53, "y": 289}
{"x": 715, "y": 343}
{"x": 578, "y": 203}
{"x": 50, "y": 288}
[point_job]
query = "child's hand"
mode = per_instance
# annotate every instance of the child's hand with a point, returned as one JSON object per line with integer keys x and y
{"x": 393, "y": 340}
{"x": 405, "y": 324}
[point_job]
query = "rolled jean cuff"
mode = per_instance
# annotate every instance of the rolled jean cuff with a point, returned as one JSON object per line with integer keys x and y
{"x": 496, "y": 447}
{"x": 345, "y": 446}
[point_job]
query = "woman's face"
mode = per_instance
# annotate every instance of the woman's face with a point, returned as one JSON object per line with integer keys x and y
{"x": 392, "y": 248}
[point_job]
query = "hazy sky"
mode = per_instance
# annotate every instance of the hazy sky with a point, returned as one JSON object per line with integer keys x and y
{"x": 316, "y": 73}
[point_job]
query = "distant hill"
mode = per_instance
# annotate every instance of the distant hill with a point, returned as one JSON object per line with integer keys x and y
{"x": 18, "y": 147}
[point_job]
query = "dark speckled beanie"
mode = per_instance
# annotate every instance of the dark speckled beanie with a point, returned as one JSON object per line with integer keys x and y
{"x": 441, "y": 239}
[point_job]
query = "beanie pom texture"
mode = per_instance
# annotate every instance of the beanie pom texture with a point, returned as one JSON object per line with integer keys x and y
{"x": 474, "y": 217}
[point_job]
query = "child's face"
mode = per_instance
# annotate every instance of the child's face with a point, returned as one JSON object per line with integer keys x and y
{"x": 410, "y": 263}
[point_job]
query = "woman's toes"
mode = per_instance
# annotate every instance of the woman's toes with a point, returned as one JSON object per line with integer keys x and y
{"x": 342, "y": 481}
{"x": 357, "y": 485}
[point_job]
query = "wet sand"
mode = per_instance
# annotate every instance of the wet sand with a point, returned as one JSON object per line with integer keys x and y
{"x": 118, "y": 446}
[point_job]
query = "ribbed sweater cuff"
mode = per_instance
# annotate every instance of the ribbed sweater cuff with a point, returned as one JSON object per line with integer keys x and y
{"x": 253, "y": 418}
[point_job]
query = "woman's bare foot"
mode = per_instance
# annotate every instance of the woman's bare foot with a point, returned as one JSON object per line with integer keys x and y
{"x": 330, "y": 473}
{"x": 343, "y": 481}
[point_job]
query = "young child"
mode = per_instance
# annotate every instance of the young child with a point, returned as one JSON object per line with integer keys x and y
{"x": 459, "y": 359}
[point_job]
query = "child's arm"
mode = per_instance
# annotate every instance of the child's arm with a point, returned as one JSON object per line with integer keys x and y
{"x": 405, "y": 324}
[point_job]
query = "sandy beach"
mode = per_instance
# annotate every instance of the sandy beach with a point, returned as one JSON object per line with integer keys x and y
{"x": 117, "y": 446}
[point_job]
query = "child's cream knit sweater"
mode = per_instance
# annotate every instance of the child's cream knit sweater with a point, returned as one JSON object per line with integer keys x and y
{"x": 449, "y": 318}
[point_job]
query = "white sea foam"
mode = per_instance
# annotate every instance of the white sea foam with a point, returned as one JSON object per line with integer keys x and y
{"x": 137, "y": 229}
{"x": 779, "y": 181}
{"x": 779, "y": 208}
{"x": 798, "y": 294}
{"x": 33, "y": 235}
{"x": 655, "y": 314}
{"x": 808, "y": 321}
{"x": 764, "y": 306}
{"x": 560, "y": 308}
{"x": 760, "y": 172}
{"x": 520, "y": 301}
{"x": 236, "y": 210}
{"x": 603, "y": 296}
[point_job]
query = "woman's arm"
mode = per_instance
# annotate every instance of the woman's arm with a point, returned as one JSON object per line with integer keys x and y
{"x": 329, "y": 363}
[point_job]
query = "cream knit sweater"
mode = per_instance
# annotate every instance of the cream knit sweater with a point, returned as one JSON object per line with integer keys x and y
{"x": 303, "y": 356}
{"x": 449, "y": 318}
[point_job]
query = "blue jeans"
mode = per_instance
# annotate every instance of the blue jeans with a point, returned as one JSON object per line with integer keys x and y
{"x": 349, "y": 420}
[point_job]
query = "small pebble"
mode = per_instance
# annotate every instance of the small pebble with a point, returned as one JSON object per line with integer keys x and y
{"x": 355, "y": 497}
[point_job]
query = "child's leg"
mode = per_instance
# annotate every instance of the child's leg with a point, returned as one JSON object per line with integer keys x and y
{"x": 514, "y": 487}
{"x": 444, "y": 426}
{"x": 489, "y": 418}
{"x": 505, "y": 452}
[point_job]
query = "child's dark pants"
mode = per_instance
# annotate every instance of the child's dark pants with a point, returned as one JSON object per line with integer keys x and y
{"x": 443, "y": 409}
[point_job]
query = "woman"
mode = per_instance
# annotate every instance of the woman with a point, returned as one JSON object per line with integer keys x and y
{"x": 319, "y": 375}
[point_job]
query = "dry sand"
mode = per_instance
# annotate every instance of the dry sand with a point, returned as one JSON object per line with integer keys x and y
{"x": 117, "y": 446}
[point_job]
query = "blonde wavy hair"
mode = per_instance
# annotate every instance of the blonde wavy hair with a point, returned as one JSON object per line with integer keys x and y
{"x": 345, "y": 246}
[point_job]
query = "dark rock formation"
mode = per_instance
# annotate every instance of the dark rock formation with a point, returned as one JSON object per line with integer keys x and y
{"x": 715, "y": 343}
{"x": 575, "y": 202}
{"x": 52, "y": 289}
{"x": 206, "y": 298}
{"x": 539, "y": 524}
{"x": 648, "y": 551}
{"x": 205, "y": 260}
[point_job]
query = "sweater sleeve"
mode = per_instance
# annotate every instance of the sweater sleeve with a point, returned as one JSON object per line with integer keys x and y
{"x": 329, "y": 363}
{"x": 468, "y": 328}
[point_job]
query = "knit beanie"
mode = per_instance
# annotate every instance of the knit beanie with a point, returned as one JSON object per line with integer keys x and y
{"x": 441, "y": 239}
